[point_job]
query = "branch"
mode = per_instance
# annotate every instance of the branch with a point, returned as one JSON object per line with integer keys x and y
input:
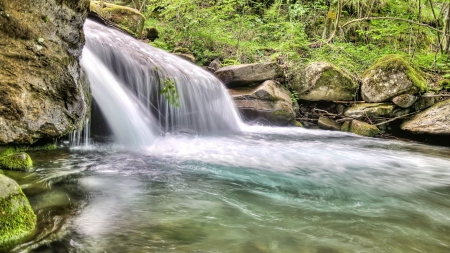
{"x": 390, "y": 18}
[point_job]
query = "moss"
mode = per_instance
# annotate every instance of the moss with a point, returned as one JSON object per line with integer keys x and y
{"x": 295, "y": 123}
{"x": 19, "y": 161}
{"x": 17, "y": 220}
{"x": 335, "y": 78}
{"x": 396, "y": 63}
{"x": 360, "y": 128}
{"x": 445, "y": 84}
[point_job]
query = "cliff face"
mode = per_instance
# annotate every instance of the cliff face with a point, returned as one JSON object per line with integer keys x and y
{"x": 43, "y": 91}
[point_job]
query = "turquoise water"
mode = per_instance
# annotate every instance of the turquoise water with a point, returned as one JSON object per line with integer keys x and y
{"x": 267, "y": 190}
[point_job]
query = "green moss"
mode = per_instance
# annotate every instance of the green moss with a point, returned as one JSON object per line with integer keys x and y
{"x": 360, "y": 128}
{"x": 445, "y": 84}
{"x": 19, "y": 161}
{"x": 396, "y": 63}
{"x": 17, "y": 220}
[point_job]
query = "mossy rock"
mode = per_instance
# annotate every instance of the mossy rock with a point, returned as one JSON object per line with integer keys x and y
{"x": 19, "y": 161}
{"x": 17, "y": 219}
{"x": 322, "y": 81}
{"x": 360, "y": 128}
{"x": 370, "y": 110}
{"x": 389, "y": 77}
{"x": 126, "y": 18}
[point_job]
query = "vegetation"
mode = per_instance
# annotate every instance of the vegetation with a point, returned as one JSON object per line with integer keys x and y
{"x": 352, "y": 34}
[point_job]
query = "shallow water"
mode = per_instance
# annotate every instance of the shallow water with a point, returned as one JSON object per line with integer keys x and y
{"x": 266, "y": 190}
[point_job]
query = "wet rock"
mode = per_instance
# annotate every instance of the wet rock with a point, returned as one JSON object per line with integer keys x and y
{"x": 370, "y": 110}
{"x": 43, "y": 91}
{"x": 268, "y": 104}
{"x": 360, "y": 128}
{"x": 425, "y": 101}
{"x": 321, "y": 81}
{"x": 17, "y": 219}
{"x": 214, "y": 65}
{"x": 405, "y": 100}
{"x": 329, "y": 124}
{"x": 434, "y": 120}
{"x": 19, "y": 161}
{"x": 125, "y": 18}
{"x": 389, "y": 77}
{"x": 243, "y": 75}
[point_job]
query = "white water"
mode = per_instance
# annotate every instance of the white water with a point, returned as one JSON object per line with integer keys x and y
{"x": 204, "y": 104}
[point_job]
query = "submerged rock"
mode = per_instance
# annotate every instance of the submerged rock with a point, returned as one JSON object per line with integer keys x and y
{"x": 328, "y": 124}
{"x": 19, "y": 161}
{"x": 126, "y": 18}
{"x": 268, "y": 104}
{"x": 17, "y": 219}
{"x": 370, "y": 110}
{"x": 389, "y": 77}
{"x": 243, "y": 75}
{"x": 360, "y": 128}
{"x": 43, "y": 91}
{"x": 321, "y": 81}
{"x": 434, "y": 120}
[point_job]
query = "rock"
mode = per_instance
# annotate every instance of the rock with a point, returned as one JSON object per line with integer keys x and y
{"x": 425, "y": 101}
{"x": 268, "y": 104}
{"x": 17, "y": 219}
{"x": 321, "y": 81}
{"x": 19, "y": 161}
{"x": 188, "y": 57}
{"x": 370, "y": 110}
{"x": 340, "y": 109}
{"x": 434, "y": 120}
{"x": 214, "y": 65}
{"x": 43, "y": 91}
{"x": 150, "y": 33}
{"x": 243, "y": 75}
{"x": 360, "y": 128}
{"x": 329, "y": 124}
{"x": 126, "y": 18}
{"x": 389, "y": 77}
{"x": 405, "y": 100}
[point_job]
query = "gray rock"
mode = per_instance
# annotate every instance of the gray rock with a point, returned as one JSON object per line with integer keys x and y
{"x": 329, "y": 124}
{"x": 17, "y": 219}
{"x": 214, "y": 65}
{"x": 370, "y": 110}
{"x": 268, "y": 104}
{"x": 243, "y": 75}
{"x": 405, "y": 100}
{"x": 425, "y": 101}
{"x": 321, "y": 81}
{"x": 434, "y": 120}
{"x": 340, "y": 108}
{"x": 43, "y": 91}
{"x": 360, "y": 128}
{"x": 389, "y": 77}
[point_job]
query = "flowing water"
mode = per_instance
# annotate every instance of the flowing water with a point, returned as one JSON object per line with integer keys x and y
{"x": 193, "y": 178}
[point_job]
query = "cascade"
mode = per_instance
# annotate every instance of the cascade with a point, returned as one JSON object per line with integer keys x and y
{"x": 164, "y": 91}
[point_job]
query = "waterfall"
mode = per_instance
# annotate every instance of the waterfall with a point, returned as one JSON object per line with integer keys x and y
{"x": 130, "y": 77}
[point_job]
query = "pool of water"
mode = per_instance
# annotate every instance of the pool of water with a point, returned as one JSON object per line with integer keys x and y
{"x": 266, "y": 190}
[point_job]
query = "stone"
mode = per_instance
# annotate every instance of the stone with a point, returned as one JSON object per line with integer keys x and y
{"x": 322, "y": 81}
{"x": 434, "y": 120}
{"x": 43, "y": 91}
{"x": 17, "y": 219}
{"x": 19, "y": 162}
{"x": 360, "y": 128}
{"x": 390, "y": 77}
{"x": 425, "y": 101}
{"x": 328, "y": 124}
{"x": 405, "y": 100}
{"x": 150, "y": 33}
{"x": 126, "y": 18}
{"x": 340, "y": 108}
{"x": 370, "y": 110}
{"x": 187, "y": 57}
{"x": 267, "y": 104}
{"x": 214, "y": 65}
{"x": 245, "y": 74}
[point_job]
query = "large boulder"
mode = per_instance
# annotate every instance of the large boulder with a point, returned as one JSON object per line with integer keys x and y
{"x": 434, "y": 120}
{"x": 389, "y": 77}
{"x": 243, "y": 75}
{"x": 17, "y": 219}
{"x": 370, "y": 110}
{"x": 43, "y": 91}
{"x": 268, "y": 104}
{"x": 125, "y": 18}
{"x": 321, "y": 81}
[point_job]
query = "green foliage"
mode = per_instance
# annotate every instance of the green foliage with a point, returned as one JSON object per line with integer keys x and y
{"x": 170, "y": 92}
